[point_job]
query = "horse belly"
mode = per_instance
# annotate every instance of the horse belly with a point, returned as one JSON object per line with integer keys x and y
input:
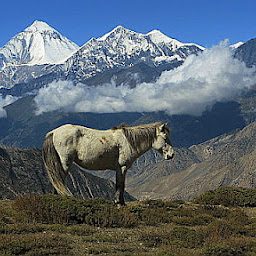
{"x": 102, "y": 160}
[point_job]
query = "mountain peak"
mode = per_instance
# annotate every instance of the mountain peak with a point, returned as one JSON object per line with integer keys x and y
{"x": 39, "y": 26}
{"x": 120, "y": 28}
{"x": 116, "y": 30}
{"x": 158, "y": 36}
{"x": 37, "y": 44}
{"x": 154, "y": 31}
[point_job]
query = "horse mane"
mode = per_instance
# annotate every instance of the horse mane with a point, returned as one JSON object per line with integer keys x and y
{"x": 137, "y": 134}
{"x": 120, "y": 126}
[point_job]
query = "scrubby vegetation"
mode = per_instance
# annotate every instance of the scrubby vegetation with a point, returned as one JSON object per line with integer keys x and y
{"x": 229, "y": 196}
{"x": 53, "y": 209}
{"x": 54, "y": 225}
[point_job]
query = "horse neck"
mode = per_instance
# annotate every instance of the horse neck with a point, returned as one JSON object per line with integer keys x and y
{"x": 143, "y": 147}
{"x": 141, "y": 139}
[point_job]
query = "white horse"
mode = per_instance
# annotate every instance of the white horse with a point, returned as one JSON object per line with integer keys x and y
{"x": 114, "y": 149}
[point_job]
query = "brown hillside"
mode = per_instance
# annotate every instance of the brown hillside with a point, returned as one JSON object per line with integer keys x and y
{"x": 227, "y": 160}
{"x": 22, "y": 172}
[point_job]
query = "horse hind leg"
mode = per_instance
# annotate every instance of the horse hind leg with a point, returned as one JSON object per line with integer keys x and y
{"x": 56, "y": 169}
{"x": 120, "y": 185}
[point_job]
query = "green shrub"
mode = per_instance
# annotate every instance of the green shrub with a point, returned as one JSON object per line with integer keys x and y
{"x": 97, "y": 251}
{"x": 151, "y": 216}
{"x": 20, "y": 228}
{"x": 188, "y": 238}
{"x": 54, "y": 209}
{"x": 228, "y": 196}
{"x": 193, "y": 221}
{"x": 236, "y": 224}
{"x": 178, "y": 236}
{"x": 233, "y": 246}
{"x": 238, "y": 217}
{"x": 152, "y": 212}
{"x": 163, "y": 204}
{"x": 7, "y": 214}
{"x": 34, "y": 244}
{"x": 218, "y": 230}
{"x": 214, "y": 211}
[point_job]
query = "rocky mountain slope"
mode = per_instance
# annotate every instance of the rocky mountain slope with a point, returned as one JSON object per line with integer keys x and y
{"x": 22, "y": 128}
{"x": 227, "y": 160}
{"x": 247, "y": 52}
{"x": 122, "y": 47}
{"x": 22, "y": 172}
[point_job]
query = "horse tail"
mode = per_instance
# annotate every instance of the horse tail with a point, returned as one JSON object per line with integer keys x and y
{"x": 53, "y": 166}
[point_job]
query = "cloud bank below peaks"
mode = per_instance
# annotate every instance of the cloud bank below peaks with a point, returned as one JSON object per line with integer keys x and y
{"x": 212, "y": 76}
{"x": 4, "y": 102}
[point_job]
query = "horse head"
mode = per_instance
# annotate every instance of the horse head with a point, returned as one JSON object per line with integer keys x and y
{"x": 162, "y": 142}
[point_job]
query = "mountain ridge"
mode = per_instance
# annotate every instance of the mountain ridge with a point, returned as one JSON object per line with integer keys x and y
{"x": 122, "y": 47}
{"x": 226, "y": 160}
{"x": 119, "y": 48}
{"x": 22, "y": 172}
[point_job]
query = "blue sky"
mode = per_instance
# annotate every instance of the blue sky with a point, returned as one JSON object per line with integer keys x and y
{"x": 203, "y": 22}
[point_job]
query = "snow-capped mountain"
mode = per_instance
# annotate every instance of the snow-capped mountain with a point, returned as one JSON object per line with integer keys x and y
{"x": 40, "y": 54}
{"x": 122, "y": 47}
{"x": 38, "y": 44}
{"x": 236, "y": 45}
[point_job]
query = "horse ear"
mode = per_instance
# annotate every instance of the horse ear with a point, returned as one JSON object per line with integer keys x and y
{"x": 162, "y": 127}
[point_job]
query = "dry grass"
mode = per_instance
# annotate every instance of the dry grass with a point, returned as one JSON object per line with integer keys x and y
{"x": 143, "y": 228}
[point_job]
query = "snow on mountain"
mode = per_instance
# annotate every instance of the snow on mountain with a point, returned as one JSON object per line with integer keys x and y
{"x": 37, "y": 44}
{"x": 159, "y": 38}
{"x": 236, "y": 45}
{"x": 122, "y": 47}
{"x": 23, "y": 58}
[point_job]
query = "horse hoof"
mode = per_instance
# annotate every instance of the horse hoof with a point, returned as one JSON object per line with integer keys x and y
{"x": 119, "y": 204}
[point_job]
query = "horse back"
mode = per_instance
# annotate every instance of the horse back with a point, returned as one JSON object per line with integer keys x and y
{"x": 91, "y": 149}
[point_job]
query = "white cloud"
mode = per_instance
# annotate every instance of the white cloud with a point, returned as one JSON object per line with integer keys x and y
{"x": 202, "y": 80}
{"x": 4, "y": 102}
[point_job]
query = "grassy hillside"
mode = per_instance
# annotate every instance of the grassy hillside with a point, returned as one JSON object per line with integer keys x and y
{"x": 54, "y": 225}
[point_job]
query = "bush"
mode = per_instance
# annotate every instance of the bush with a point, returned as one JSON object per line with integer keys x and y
{"x": 34, "y": 244}
{"x": 54, "y": 209}
{"x": 20, "y": 228}
{"x": 150, "y": 216}
{"x": 153, "y": 212}
{"x": 193, "y": 221}
{"x": 214, "y": 211}
{"x": 228, "y": 196}
{"x": 218, "y": 230}
{"x": 153, "y": 204}
{"x": 238, "y": 217}
{"x": 188, "y": 238}
{"x": 178, "y": 236}
{"x": 234, "y": 224}
{"x": 233, "y": 246}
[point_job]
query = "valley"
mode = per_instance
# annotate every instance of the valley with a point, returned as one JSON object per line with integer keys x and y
{"x": 212, "y": 149}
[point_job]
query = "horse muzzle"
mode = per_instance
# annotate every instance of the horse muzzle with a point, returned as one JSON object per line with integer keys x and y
{"x": 168, "y": 157}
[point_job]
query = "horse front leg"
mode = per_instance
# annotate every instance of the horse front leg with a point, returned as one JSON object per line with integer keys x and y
{"x": 120, "y": 185}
